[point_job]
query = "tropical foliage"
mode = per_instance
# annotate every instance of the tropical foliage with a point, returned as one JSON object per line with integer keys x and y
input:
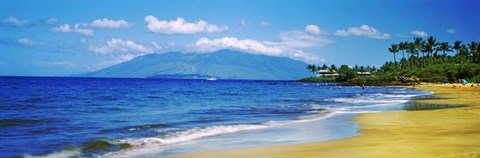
{"x": 421, "y": 60}
{"x": 438, "y": 61}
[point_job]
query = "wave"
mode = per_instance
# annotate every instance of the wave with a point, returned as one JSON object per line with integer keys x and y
{"x": 390, "y": 98}
{"x": 146, "y": 144}
{"x": 191, "y": 134}
{"x": 141, "y": 145}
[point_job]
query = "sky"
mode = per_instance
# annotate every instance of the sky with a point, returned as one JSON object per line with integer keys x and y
{"x": 65, "y": 37}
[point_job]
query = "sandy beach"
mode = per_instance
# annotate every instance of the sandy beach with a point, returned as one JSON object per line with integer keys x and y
{"x": 452, "y": 132}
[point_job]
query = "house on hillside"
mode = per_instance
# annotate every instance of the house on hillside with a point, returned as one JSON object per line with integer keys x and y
{"x": 327, "y": 73}
{"x": 365, "y": 74}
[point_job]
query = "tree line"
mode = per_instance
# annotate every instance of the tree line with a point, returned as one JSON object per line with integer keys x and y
{"x": 435, "y": 61}
{"x": 426, "y": 60}
{"x": 429, "y": 50}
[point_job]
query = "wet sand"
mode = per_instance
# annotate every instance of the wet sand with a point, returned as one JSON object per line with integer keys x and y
{"x": 452, "y": 132}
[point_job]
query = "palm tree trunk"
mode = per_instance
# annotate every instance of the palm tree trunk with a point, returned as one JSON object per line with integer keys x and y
{"x": 430, "y": 59}
{"x": 395, "y": 59}
{"x": 444, "y": 57}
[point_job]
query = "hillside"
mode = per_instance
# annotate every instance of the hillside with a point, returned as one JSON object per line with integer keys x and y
{"x": 224, "y": 64}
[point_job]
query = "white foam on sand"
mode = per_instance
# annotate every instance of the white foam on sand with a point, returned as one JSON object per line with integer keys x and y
{"x": 59, "y": 154}
{"x": 143, "y": 146}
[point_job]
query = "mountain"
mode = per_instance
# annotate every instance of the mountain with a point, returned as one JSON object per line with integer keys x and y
{"x": 224, "y": 64}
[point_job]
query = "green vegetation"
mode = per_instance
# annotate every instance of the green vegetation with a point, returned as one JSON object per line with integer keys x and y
{"x": 421, "y": 61}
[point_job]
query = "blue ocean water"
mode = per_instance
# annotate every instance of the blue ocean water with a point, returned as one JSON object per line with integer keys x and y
{"x": 111, "y": 117}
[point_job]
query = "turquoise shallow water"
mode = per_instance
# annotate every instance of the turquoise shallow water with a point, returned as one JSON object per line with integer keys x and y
{"x": 101, "y": 117}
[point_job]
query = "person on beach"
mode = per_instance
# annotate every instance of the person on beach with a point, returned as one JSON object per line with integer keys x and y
{"x": 454, "y": 85}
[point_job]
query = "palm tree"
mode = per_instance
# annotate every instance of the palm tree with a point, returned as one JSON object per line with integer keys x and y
{"x": 402, "y": 47}
{"x": 324, "y": 67}
{"x": 355, "y": 67}
{"x": 444, "y": 47}
{"x": 394, "y": 49}
{"x": 333, "y": 68}
{"x": 362, "y": 68}
{"x": 418, "y": 42}
{"x": 419, "y": 45}
{"x": 312, "y": 69}
{"x": 430, "y": 46}
{"x": 477, "y": 56}
{"x": 456, "y": 45}
{"x": 473, "y": 48}
{"x": 463, "y": 51}
{"x": 412, "y": 50}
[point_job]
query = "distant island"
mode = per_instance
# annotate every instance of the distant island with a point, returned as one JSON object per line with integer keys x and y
{"x": 421, "y": 61}
{"x": 223, "y": 64}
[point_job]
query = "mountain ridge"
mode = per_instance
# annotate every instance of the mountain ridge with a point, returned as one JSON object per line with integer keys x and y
{"x": 224, "y": 64}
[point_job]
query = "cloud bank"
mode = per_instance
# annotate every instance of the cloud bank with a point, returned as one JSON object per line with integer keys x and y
{"x": 419, "y": 33}
{"x": 120, "y": 45}
{"x": 364, "y": 30}
{"x": 107, "y": 23}
{"x": 123, "y": 50}
{"x": 289, "y": 44}
{"x": 451, "y": 31}
{"x": 180, "y": 26}
{"x": 313, "y": 29}
{"x": 13, "y": 21}
{"x": 252, "y": 46}
{"x": 80, "y": 28}
{"x": 25, "y": 41}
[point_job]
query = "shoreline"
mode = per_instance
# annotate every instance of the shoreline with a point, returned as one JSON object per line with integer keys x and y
{"x": 452, "y": 132}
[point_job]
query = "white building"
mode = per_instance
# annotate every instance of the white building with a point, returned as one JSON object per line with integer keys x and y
{"x": 366, "y": 74}
{"x": 327, "y": 73}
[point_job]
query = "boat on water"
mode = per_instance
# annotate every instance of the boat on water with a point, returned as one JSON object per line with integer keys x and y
{"x": 212, "y": 78}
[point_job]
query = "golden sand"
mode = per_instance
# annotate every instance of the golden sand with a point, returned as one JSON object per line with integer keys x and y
{"x": 451, "y": 132}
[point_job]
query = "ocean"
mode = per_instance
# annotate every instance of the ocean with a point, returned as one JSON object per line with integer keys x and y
{"x": 115, "y": 117}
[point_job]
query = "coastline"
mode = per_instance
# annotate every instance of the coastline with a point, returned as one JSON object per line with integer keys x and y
{"x": 452, "y": 132}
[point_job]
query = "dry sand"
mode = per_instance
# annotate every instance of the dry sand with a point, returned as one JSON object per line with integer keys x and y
{"x": 453, "y": 132}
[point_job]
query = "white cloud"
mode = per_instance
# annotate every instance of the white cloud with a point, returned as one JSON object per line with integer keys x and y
{"x": 77, "y": 28}
{"x": 252, "y": 46}
{"x": 244, "y": 22}
{"x": 264, "y": 23}
{"x": 313, "y": 29}
{"x": 289, "y": 44}
{"x": 13, "y": 21}
{"x": 180, "y": 26}
{"x": 120, "y": 45}
{"x": 51, "y": 21}
{"x": 107, "y": 23}
{"x": 419, "y": 33}
{"x": 451, "y": 31}
{"x": 123, "y": 50}
{"x": 363, "y": 30}
{"x": 156, "y": 45}
{"x": 302, "y": 39}
{"x": 16, "y": 22}
{"x": 25, "y": 41}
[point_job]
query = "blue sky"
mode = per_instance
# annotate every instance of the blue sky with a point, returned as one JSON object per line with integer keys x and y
{"x": 63, "y": 37}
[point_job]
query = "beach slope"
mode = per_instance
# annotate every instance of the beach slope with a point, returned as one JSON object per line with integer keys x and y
{"x": 452, "y": 132}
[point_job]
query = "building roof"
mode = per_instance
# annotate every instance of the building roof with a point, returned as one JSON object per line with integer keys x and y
{"x": 364, "y": 73}
{"x": 323, "y": 71}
